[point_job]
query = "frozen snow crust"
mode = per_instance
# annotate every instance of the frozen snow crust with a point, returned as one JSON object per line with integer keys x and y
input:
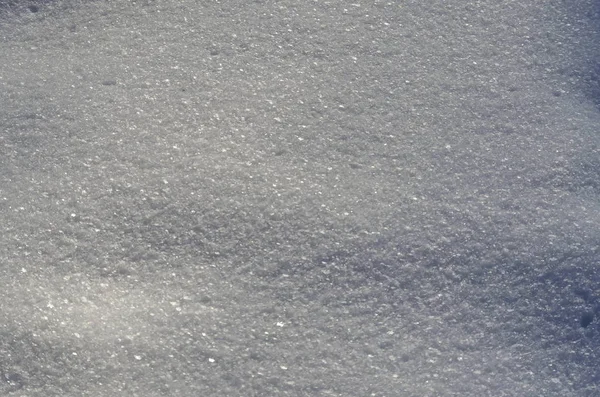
{"x": 283, "y": 198}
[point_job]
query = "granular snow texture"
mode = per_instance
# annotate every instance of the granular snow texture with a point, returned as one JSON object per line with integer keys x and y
{"x": 299, "y": 198}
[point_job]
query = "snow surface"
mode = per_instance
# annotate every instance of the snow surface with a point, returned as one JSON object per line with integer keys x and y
{"x": 299, "y": 198}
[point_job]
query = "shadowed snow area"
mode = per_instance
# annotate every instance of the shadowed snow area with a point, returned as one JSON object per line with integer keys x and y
{"x": 299, "y": 198}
